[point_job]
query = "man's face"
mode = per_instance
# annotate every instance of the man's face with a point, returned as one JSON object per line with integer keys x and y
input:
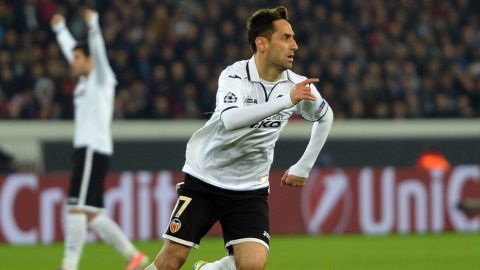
{"x": 282, "y": 45}
{"x": 81, "y": 64}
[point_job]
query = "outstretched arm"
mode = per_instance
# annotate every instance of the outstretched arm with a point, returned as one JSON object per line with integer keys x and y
{"x": 298, "y": 173}
{"x": 96, "y": 45}
{"x": 64, "y": 37}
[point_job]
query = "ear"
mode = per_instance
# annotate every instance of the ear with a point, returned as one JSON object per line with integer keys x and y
{"x": 262, "y": 44}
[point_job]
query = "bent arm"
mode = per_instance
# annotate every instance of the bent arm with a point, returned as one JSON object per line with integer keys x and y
{"x": 235, "y": 118}
{"x": 318, "y": 137}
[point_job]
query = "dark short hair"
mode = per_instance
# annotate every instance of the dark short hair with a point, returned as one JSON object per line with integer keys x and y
{"x": 260, "y": 24}
{"x": 82, "y": 46}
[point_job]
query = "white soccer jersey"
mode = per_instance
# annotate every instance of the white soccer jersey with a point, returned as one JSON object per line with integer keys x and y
{"x": 94, "y": 94}
{"x": 240, "y": 159}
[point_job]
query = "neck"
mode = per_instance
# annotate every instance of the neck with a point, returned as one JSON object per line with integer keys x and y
{"x": 266, "y": 70}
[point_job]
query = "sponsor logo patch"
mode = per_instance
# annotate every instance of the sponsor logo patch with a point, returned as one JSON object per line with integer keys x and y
{"x": 251, "y": 100}
{"x": 273, "y": 121}
{"x": 322, "y": 105}
{"x": 175, "y": 225}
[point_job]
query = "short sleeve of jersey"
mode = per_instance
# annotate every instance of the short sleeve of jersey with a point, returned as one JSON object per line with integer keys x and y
{"x": 229, "y": 94}
{"x": 313, "y": 110}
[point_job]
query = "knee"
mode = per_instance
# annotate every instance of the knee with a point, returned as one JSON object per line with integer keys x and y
{"x": 255, "y": 263}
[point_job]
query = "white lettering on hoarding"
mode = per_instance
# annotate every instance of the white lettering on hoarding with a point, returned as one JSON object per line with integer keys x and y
{"x": 49, "y": 198}
{"x": 144, "y": 205}
{"x": 415, "y": 190}
{"x": 460, "y": 175}
{"x": 368, "y": 224}
{"x": 165, "y": 195}
{"x": 335, "y": 187}
{"x": 123, "y": 197}
{"x": 12, "y": 232}
{"x": 437, "y": 200}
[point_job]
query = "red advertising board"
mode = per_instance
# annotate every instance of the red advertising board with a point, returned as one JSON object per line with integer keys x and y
{"x": 366, "y": 200}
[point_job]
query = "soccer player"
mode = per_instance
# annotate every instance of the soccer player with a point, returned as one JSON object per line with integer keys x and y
{"x": 94, "y": 94}
{"x": 228, "y": 160}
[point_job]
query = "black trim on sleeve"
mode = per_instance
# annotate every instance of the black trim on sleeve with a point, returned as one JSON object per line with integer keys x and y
{"x": 228, "y": 108}
{"x": 248, "y": 71}
{"x": 320, "y": 116}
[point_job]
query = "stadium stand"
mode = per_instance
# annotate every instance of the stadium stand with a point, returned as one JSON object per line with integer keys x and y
{"x": 375, "y": 59}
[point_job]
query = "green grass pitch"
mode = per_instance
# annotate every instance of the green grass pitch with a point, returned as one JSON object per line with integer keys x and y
{"x": 436, "y": 252}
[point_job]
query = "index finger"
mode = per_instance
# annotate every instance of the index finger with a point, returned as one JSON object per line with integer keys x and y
{"x": 307, "y": 81}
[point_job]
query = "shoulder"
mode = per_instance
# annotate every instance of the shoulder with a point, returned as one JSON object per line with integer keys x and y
{"x": 294, "y": 77}
{"x": 237, "y": 70}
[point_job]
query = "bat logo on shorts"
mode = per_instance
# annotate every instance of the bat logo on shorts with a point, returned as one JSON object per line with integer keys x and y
{"x": 175, "y": 225}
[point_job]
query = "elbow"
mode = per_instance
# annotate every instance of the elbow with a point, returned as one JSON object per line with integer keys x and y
{"x": 229, "y": 120}
{"x": 228, "y": 126}
{"x": 328, "y": 117}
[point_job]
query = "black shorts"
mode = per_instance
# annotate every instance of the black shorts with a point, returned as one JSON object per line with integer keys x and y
{"x": 243, "y": 215}
{"x": 88, "y": 177}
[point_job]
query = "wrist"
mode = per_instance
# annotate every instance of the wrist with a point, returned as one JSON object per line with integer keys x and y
{"x": 92, "y": 22}
{"x": 299, "y": 170}
{"x": 59, "y": 26}
{"x": 287, "y": 101}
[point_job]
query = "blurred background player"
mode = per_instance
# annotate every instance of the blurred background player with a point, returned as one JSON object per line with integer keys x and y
{"x": 228, "y": 160}
{"x": 94, "y": 94}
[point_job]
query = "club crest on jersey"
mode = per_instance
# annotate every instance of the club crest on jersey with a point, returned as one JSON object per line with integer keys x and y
{"x": 230, "y": 98}
{"x": 175, "y": 225}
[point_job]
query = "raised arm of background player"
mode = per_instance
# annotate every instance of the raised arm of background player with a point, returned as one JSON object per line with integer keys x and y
{"x": 323, "y": 118}
{"x": 64, "y": 37}
{"x": 96, "y": 44}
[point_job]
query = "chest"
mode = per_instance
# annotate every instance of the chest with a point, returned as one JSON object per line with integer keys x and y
{"x": 257, "y": 93}
{"x": 80, "y": 91}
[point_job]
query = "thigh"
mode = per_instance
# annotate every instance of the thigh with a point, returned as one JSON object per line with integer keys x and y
{"x": 245, "y": 219}
{"x": 96, "y": 185}
{"x": 193, "y": 216}
{"x": 77, "y": 175}
{"x": 87, "y": 181}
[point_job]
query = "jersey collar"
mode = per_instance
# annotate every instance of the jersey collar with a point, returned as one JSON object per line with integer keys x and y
{"x": 252, "y": 72}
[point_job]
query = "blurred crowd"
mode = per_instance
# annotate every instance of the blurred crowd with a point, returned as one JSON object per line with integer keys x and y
{"x": 375, "y": 59}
